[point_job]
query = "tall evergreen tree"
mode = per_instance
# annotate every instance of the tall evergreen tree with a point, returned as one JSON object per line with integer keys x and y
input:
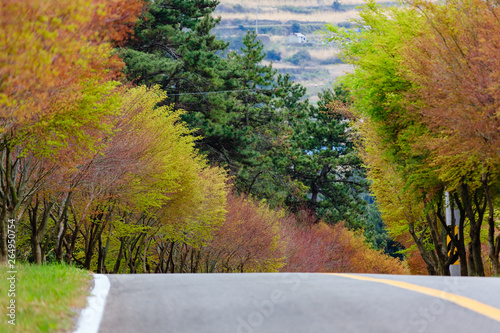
{"x": 244, "y": 126}
{"x": 322, "y": 157}
{"x": 250, "y": 119}
{"x": 173, "y": 46}
{"x": 235, "y": 104}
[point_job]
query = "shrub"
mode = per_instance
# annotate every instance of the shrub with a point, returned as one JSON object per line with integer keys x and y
{"x": 300, "y": 58}
{"x": 336, "y": 5}
{"x": 273, "y": 55}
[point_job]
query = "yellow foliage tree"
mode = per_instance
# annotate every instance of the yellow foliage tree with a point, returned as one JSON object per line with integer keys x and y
{"x": 162, "y": 190}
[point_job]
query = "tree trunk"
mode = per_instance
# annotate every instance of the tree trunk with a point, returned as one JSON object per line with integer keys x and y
{"x": 100, "y": 255}
{"x": 431, "y": 264}
{"x": 493, "y": 247}
{"x": 442, "y": 268}
{"x": 145, "y": 265}
{"x": 184, "y": 254}
{"x": 39, "y": 229}
{"x": 170, "y": 260}
{"x": 161, "y": 257}
{"x": 61, "y": 227}
{"x": 475, "y": 263}
{"x": 9, "y": 198}
{"x": 71, "y": 247}
{"x": 4, "y": 221}
{"x": 118, "y": 261}
{"x": 89, "y": 248}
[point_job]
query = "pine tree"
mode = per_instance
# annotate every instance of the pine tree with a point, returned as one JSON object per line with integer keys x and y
{"x": 244, "y": 118}
{"x": 322, "y": 157}
{"x": 173, "y": 46}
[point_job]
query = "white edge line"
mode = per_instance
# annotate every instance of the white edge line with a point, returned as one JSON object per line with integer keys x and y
{"x": 90, "y": 317}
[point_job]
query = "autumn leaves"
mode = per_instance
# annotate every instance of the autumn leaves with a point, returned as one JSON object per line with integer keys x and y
{"x": 103, "y": 173}
{"x": 85, "y": 158}
{"x": 58, "y": 103}
{"x": 426, "y": 87}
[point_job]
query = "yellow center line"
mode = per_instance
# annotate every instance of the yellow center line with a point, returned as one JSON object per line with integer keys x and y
{"x": 468, "y": 303}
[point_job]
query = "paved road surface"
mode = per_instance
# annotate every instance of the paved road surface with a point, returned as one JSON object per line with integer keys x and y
{"x": 302, "y": 303}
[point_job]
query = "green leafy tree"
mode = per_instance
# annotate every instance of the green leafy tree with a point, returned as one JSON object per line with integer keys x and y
{"x": 406, "y": 188}
{"x": 424, "y": 87}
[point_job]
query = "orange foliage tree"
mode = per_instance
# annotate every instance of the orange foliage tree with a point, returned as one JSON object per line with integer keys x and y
{"x": 455, "y": 67}
{"x": 324, "y": 248}
{"x": 248, "y": 240}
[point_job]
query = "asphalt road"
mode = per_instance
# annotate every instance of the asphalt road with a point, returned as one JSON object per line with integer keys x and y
{"x": 248, "y": 303}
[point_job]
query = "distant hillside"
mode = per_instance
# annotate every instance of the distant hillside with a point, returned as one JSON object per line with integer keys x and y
{"x": 283, "y": 11}
{"x": 276, "y": 12}
{"x": 312, "y": 63}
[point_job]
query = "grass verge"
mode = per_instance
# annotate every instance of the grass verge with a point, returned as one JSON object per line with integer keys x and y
{"x": 46, "y": 297}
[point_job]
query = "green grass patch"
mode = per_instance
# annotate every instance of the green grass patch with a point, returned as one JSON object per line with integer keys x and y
{"x": 47, "y": 297}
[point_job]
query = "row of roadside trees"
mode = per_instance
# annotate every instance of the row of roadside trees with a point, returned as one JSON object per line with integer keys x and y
{"x": 426, "y": 93}
{"x": 131, "y": 142}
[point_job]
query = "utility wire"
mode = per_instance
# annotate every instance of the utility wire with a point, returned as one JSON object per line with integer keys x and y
{"x": 225, "y": 91}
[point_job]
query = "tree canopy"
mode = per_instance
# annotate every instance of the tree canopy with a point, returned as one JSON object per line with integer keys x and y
{"x": 424, "y": 90}
{"x": 132, "y": 141}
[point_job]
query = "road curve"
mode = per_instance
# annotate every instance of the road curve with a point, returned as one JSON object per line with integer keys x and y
{"x": 300, "y": 302}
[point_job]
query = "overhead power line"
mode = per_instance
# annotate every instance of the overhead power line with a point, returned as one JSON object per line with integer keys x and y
{"x": 225, "y": 91}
